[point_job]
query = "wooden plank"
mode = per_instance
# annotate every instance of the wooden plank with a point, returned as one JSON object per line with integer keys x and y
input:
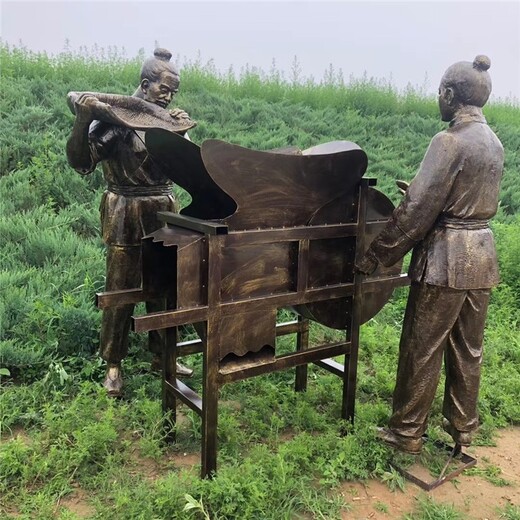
{"x": 255, "y": 270}
{"x": 117, "y": 298}
{"x": 303, "y": 265}
{"x": 302, "y": 343}
{"x": 163, "y": 320}
{"x": 369, "y": 285}
{"x": 193, "y": 346}
{"x": 195, "y": 224}
{"x": 291, "y": 298}
{"x": 331, "y": 366}
{"x": 289, "y": 327}
{"x": 290, "y": 234}
{"x": 351, "y": 360}
{"x": 166, "y": 319}
{"x": 169, "y": 363}
{"x": 133, "y": 296}
{"x": 210, "y": 361}
{"x": 287, "y": 361}
{"x": 185, "y": 394}
{"x": 259, "y": 236}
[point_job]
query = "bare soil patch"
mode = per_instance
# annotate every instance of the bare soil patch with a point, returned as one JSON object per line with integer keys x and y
{"x": 77, "y": 502}
{"x": 475, "y": 496}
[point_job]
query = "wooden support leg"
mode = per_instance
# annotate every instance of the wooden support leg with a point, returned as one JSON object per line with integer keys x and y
{"x": 351, "y": 360}
{"x": 302, "y": 343}
{"x": 349, "y": 382}
{"x": 169, "y": 401}
{"x": 210, "y": 400}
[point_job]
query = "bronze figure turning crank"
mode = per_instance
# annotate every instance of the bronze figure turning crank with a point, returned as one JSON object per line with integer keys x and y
{"x": 444, "y": 218}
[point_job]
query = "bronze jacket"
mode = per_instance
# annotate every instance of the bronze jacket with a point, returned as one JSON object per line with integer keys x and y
{"x": 445, "y": 212}
{"x": 137, "y": 187}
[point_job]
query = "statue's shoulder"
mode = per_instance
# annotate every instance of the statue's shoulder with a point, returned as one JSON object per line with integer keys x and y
{"x": 444, "y": 139}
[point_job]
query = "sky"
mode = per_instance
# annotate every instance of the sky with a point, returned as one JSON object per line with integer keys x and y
{"x": 403, "y": 43}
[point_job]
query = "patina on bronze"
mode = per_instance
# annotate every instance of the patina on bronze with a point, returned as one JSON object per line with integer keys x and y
{"x": 109, "y": 128}
{"x": 444, "y": 218}
{"x": 264, "y": 230}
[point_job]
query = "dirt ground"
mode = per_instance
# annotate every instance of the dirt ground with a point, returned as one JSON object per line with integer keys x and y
{"x": 475, "y": 496}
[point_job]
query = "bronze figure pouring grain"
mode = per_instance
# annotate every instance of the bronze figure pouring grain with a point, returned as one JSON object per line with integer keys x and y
{"x": 109, "y": 129}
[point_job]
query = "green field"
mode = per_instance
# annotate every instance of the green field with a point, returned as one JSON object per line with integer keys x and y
{"x": 281, "y": 454}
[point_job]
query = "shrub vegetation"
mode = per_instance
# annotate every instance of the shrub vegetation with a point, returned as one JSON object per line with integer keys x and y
{"x": 281, "y": 454}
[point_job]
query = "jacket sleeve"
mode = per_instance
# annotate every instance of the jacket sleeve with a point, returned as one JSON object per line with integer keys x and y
{"x": 101, "y": 140}
{"x": 424, "y": 201}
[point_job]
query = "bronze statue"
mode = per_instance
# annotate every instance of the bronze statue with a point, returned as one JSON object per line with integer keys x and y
{"x": 444, "y": 218}
{"x": 109, "y": 129}
{"x": 264, "y": 230}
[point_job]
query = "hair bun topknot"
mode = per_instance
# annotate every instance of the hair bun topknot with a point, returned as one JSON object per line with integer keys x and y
{"x": 481, "y": 63}
{"x": 162, "y": 54}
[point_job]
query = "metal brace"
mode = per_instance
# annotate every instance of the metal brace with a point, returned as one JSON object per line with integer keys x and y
{"x": 467, "y": 461}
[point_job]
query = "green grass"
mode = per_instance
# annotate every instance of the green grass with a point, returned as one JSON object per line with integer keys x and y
{"x": 429, "y": 509}
{"x": 281, "y": 454}
{"x": 510, "y": 512}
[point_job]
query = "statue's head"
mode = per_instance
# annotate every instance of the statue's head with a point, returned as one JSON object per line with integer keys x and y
{"x": 159, "y": 78}
{"x": 464, "y": 84}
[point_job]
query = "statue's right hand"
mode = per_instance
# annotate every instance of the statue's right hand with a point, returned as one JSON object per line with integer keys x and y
{"x": 367, "y": 265}
{"x": 84, "y": 108}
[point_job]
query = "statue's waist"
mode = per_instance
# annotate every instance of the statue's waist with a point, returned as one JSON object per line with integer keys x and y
{"x": 141, "y": 191}
{"x": 462, "y": 223}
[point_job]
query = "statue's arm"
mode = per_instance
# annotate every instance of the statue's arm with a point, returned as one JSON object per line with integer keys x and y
{"x": 424, "y": 201}
{"x": 79, "y": 151}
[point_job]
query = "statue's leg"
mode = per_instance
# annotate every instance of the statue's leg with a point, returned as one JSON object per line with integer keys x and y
{"x": 156, "y": 339}
{"x": 431, "y": 312}
{"x": 123, "y": 272}
{"x": 463, "y": 361}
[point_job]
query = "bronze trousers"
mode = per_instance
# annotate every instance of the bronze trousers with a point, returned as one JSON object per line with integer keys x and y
{"x": 439, "y": 321}
{"x": 123, "y": 272}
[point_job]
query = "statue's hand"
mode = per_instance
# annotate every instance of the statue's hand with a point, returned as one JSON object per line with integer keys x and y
{"x": 84, "y": 108}
{"x": 367, "y": 265}
{"x": 402, "y": 186}
{"x": 178, "y": 113}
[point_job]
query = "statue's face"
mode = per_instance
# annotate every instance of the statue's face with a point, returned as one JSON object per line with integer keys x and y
{"x": 446, "y": 103}
{"x": 161, "y": 91}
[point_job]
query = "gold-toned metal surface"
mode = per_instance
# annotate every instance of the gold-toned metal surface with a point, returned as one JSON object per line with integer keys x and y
{"x": 444, "y": 219}
{"x": 285, "y": 230}
{"x": 108, "y": 129}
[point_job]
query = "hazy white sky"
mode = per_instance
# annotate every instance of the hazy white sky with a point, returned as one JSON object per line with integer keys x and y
{"x": 405, "y": 42}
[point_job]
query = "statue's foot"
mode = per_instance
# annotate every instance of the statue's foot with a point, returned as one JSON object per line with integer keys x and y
{"x": 180, "y": 370}
{"x": 113, "y": 380}
{"x": 410, "y": 445}
{"x": 462, "y": 438}
{"x": 183, "y": 371}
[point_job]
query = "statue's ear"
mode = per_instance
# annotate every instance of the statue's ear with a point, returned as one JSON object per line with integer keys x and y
{"x": 145, "y": 84}
{"x": 449, "y": 95}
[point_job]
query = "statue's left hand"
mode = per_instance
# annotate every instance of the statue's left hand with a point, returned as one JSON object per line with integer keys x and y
{"x": 178, "y": 113}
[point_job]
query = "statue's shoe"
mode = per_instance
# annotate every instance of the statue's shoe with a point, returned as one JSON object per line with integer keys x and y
{"x": 410, "y": 445}
{"x": 180, "y": 370}
{"x": 113, "y": 381}
{"x": 183, "y": 371}
{"x": 462, "y": 438}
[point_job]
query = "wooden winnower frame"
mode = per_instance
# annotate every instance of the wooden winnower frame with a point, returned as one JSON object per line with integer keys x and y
{"x": 213, "y": 313}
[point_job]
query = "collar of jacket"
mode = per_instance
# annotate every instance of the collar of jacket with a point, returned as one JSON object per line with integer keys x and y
{"x": 468, "y": 114}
